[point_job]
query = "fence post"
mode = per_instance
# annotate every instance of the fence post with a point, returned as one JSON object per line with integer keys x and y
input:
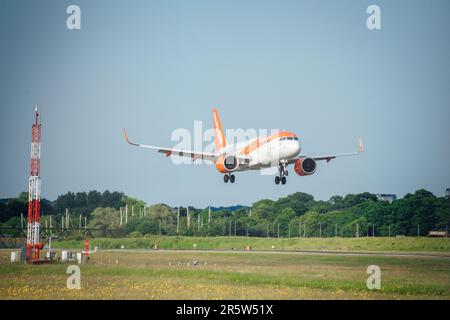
{"x": 178, "y": 220}
{"x": 188, "y": 218}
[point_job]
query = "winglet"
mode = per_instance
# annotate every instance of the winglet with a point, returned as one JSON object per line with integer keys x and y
{"x": 360, "y": 145}
{"x": 128, "y": 140}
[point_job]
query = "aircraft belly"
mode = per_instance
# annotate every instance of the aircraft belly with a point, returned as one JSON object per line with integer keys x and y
{"x": 263, "y": 157}
{"x": 268, "y": 155}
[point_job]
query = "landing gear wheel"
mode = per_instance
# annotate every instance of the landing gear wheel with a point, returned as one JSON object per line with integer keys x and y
{"x": 277, "y": 180}
{"x": 283, "y": 180}
{"x": 286, "y": 173}
{"x": 232, "y": 178}
{"x": 226, "y": 178}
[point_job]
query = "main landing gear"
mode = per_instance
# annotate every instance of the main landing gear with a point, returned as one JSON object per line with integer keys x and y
{"x": 283, "y": 173}
{"x": 229, "y": 177}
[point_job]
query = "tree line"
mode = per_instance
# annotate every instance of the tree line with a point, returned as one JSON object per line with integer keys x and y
{"x": 296, "y": 215}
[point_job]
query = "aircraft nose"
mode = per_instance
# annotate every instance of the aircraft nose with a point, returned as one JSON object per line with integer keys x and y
{"x": 294, "y": 148}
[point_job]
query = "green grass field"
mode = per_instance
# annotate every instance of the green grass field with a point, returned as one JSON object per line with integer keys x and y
{"x": 361, "y": 244}
{"x": 156, "y": 274}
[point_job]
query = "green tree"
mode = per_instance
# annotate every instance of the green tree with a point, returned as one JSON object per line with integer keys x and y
{"x": 105, "y": 218}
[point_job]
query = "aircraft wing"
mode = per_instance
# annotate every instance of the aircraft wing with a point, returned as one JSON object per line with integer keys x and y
{"x": 169, "y": 151}
{"x": 329, "y": 157}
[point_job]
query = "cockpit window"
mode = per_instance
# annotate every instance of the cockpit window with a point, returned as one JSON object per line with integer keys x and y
{"x": 288, "y": 138}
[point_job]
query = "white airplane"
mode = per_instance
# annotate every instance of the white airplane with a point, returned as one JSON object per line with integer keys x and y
{"x": 280, "y": 149}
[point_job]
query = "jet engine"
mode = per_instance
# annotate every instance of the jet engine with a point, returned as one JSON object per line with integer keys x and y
{"x": 227, "y": 164}
{"x": 305, "y": 166}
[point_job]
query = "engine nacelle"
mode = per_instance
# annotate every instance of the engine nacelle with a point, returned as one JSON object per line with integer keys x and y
{"x": 227, "y": 164}
{"x": 305, "y": 166}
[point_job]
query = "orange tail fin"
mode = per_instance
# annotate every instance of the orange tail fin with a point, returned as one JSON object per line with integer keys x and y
{"x": 219, "y": 136}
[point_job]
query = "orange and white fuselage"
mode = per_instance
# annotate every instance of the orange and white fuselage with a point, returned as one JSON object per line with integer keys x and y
{"x": 263, "y": 152}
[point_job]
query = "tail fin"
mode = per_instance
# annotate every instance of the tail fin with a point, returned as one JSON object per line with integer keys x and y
{"x": 219, "y": 136}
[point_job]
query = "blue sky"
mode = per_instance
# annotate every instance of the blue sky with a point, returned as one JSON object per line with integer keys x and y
{"x": 311, "y": 67}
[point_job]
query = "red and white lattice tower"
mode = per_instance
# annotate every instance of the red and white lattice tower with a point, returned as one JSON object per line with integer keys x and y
{"x": 34, "y": 193}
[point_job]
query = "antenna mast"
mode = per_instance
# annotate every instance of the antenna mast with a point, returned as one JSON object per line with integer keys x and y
{"x": 34, "y": 193}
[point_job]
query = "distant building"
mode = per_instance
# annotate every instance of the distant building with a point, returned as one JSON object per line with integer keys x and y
{"x": 438, "y": 234}
{"x": 447, "y": 193}
{"x": 386, "y": 197}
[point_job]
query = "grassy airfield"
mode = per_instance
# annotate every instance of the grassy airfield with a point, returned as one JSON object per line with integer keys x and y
{"x": 156, "y": 274}
{"x": 362, "y": 244}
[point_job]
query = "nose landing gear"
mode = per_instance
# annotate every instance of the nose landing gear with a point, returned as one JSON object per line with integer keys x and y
{"x": 283, "y": 173}
{"x": 228, "y": 177}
